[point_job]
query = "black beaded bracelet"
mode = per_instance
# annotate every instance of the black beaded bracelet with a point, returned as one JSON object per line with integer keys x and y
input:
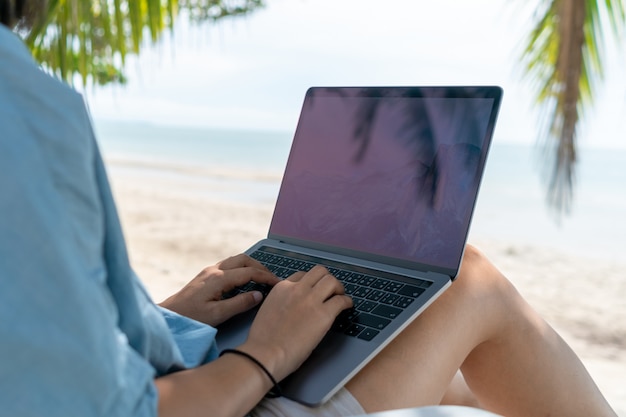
{"x": 275, "y": 392}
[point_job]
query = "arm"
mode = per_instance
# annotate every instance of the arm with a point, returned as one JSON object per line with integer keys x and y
{"x": 62, "y": 349}
{"x": 296, "y": 315}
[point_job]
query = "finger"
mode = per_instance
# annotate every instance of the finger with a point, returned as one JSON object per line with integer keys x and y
{"x": 338, "y": 303}
{"x": 239, "y": 261}
{"x": 328, "y": 286}
{"x": 238, "y": 304}
{"x": 237, "y": 277}
{"x": 264, "y": 277}
{"x": 314, "y": 275}
{"x": 296, "y": 276}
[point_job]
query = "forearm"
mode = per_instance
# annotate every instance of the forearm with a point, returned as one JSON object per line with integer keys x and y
{"x": 293, "y": 319}
{"x": 229, "y": 386}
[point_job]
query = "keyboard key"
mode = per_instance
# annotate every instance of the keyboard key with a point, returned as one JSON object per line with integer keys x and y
{"x": 307, "y": 266}
{"x": 333, "y": 271}
{"x": 386, "y": 311}
{"x": 342, "y": 275}
{"x": 403, "y": 302}
{"x": 368, "y": 334}
{"x": 262, "y": 288}
{"x": 356, "y": 302}
{"x": 350, "y": 288}
{"x": 343, "y": 321}
{"x": 390, "y": 299}
{"x": 411, "y": 291}
{"x": 348, "y": 315}
{"x": 370, "y": 320}
{"x": 295, "y": 264}
{"x": 259, "y": 256}
{"x": 366, "y": 306}
{"x": 282, "y": 272}
{"x": 357, "y": 277}
{"x": 355, "y": 329}
{"x": 393, "y": 287}
{"x": 352, "y": 278}
{"x": 380, "y": 283}
{"x": 362, "y": 292}
{"x": 367, "y": 281}
{"x": 376, "y": 295}
{"x": 341, "y": 325}
{"x": 273, "y": 259}
{"x": 283, "y": 261}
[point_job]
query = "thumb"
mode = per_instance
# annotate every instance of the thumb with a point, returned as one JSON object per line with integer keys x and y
{"x": 240, "y": 303}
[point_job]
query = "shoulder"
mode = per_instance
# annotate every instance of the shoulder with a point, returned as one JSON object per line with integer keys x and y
{"x": 21, "y": 74}
{"x": 46, "y": 130}
{"x": 48, "y": 157}
{"x": 33, "y": 104}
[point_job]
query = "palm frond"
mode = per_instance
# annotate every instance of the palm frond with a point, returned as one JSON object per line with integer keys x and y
{"x": 90, "y": 39}
{"x": 563, "y": 61}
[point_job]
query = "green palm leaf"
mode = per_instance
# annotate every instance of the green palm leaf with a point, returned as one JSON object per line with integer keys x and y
{"x": 90, "y": 39}
{"x": 563, "y": 60}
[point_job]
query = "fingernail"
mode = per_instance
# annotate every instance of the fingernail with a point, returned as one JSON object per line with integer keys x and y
{"x": 257, "y": 296}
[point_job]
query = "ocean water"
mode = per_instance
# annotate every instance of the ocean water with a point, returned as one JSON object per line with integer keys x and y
{"x": 248, "y": 151}
{"x": 512, "y": 202}
{"x": 511, "y": 207}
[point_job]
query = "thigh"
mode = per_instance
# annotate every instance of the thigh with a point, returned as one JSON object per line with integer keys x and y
{"x": 417, "y": 367}
{"x": 414, "y": 370}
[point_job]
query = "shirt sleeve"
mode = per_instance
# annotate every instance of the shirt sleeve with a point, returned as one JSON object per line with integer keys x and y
{"x": 195, "y": 340}
{"x": 62, "y": 351}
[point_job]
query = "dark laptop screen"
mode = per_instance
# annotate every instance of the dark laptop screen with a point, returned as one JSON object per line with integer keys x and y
{"x": 392, "y": 172}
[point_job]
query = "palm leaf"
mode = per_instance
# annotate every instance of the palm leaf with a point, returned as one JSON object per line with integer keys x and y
{"x": 90, "y": 39}
{"x": 563, "y": 60}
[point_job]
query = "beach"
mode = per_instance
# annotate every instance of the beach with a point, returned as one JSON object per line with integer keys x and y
{"x": 178, "y": 219}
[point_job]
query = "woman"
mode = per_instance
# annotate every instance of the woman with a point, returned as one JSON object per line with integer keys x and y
{"x": 81, "y": 337}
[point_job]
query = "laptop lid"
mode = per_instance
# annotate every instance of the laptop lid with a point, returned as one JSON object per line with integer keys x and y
{"x": 389, "y": 174}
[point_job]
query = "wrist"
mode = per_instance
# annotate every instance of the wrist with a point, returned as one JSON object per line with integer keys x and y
{"x": 275, "y": 390}
{"x": 272, "y": 357}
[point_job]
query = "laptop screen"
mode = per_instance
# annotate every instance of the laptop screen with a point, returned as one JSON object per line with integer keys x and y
{"x": 391, "y": 172}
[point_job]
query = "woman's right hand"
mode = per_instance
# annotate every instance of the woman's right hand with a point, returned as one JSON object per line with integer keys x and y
{"x": 295, "y": 316}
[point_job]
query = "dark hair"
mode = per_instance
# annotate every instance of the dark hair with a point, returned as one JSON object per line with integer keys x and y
{"x": 20, "y": 13}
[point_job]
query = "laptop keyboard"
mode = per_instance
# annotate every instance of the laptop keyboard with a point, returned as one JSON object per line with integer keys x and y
{"x": 378, "y": 297}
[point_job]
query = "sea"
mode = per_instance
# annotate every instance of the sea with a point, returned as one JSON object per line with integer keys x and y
{"x": 511, "y": 208}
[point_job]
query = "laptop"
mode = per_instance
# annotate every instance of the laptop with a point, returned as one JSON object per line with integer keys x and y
{"x": 379, "y": 187}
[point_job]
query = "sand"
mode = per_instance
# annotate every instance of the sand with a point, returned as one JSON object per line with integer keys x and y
{"x": 177, "y": 224}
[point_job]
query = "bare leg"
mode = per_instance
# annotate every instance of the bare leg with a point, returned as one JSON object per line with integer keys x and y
{"x": 458, "y": 393}
{"x": 513, "y": 362}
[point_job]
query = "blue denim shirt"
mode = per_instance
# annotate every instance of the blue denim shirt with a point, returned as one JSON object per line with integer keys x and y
{"x": 79, "y": 336}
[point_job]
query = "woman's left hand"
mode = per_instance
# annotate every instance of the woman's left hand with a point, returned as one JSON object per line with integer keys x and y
{"x": 201, "y": 299}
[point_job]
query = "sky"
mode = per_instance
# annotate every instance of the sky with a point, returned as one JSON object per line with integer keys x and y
{"x": 252, "y": 72}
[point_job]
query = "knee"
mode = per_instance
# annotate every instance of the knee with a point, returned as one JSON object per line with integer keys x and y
{"x": 480, "y": 281}
{"x": 472, "y": 254}
{"x": 475, "y": 268}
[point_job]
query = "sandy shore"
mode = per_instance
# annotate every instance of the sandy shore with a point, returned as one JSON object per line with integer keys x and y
{"x": 175, "y": 227}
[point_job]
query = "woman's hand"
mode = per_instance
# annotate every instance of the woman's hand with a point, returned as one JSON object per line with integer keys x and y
{"x": 201, "y": 299}
{"x": 294, "y": 318}
{"x": 291, "y": 322}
